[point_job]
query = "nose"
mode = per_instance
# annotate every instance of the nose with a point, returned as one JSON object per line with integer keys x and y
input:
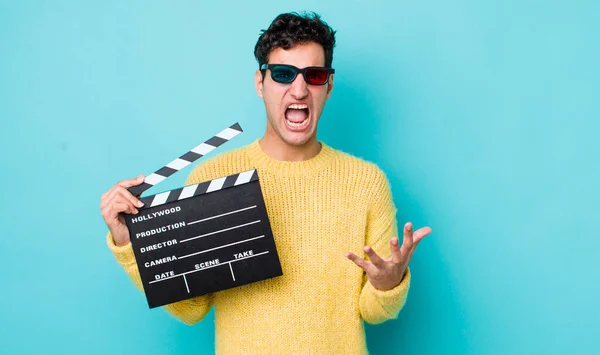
{"x": 299, "y": 88}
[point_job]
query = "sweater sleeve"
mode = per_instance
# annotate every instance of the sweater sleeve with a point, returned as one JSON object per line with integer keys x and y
{"x": 375, "y": 305}
{"x": 189, "y": 311}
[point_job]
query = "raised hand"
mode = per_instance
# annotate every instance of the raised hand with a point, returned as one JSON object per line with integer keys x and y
{"x": 385, "y": 274}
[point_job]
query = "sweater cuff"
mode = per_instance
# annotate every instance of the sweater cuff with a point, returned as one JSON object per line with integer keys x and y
{"x": 123, "y": 254}
{"x": 393, "y": 296}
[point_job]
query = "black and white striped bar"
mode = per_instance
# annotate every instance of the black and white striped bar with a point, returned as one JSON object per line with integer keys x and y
{"x": 199, "y": 189}
{"x": 198, "y": 152}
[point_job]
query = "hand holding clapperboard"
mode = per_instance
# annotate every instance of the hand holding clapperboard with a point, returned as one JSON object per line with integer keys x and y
{"x": 201, "y": 238}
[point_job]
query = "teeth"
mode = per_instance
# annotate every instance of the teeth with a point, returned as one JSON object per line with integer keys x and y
{"x": 298, "y": 106}
{"x": 297, "y": 124}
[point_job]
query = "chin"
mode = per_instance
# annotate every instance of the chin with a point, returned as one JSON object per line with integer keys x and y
{"x": 296, "y": 143}
{"x": 296, "y": 139}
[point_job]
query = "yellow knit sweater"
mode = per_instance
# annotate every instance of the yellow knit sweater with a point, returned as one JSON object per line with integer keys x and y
{"x": 319, "y": 209}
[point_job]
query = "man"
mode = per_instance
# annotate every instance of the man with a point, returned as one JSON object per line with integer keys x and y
{"x": 322, "y": 205}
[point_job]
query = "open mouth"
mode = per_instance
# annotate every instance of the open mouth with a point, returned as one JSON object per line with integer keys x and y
{"x": 296, "y": 116}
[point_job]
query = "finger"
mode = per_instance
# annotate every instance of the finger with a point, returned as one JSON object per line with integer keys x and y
{"x": 121, "y": 184}
{"x": 123, "y": 207}
{"x": 131, "y": 182}
{"x": 107, "y": 196}
{"x": 110, "y": 195}
{"x": 120, "y": 191}
{"x": 120, "y": 203}
{"x": 363, "y": 264}
{"x": 396, "y": 255}
{"x": 420, "y": 234}
{"x": 128, "y": 196}
{"x": 104, "y": 195}
{"x": 373, "y": 257}
{"x": 111, "y": 213}
{"x": 407, "y": 242}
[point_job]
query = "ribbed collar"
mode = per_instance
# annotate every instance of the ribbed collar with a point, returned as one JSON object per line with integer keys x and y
{"x": 266, "y": 163}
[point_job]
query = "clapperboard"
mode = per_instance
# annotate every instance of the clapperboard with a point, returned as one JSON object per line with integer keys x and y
{"x": 201, "y": 238}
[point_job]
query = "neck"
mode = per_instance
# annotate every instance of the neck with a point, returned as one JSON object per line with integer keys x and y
{"x": 278, "y": 149}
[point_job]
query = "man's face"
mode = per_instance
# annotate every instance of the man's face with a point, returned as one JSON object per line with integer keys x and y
{"x": 293, "y": 110}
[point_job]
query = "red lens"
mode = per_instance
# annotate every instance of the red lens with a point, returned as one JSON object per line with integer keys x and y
{"x": 316, "y": 76}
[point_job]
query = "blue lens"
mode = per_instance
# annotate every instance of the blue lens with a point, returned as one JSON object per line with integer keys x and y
{"x": 283, "y": 74}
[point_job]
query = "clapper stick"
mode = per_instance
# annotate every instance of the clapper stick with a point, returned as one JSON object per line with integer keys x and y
{"x": 191, "y": 156}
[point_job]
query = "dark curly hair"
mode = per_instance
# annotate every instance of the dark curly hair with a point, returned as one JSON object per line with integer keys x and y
{"x": 290, "y": 29}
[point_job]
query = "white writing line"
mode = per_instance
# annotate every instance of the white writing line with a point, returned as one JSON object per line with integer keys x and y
{"x": 186, "y": 285}
{"x": 232, "y": 275}
{"x": 209, "y": 267}
{"x": 222, "y": 246}
{"x": 221, "y": 215}
{"x": 219, "y": 231}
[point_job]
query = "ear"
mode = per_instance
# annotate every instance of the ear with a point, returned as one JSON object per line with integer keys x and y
{"x": 329, "y": 86}
{"x": 258, "y": 83}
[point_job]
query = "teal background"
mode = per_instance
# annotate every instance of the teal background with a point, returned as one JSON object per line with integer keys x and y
{"x": 484, "y": 115}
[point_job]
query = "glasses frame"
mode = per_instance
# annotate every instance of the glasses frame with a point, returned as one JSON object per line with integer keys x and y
{"x": 296, "y": 71}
